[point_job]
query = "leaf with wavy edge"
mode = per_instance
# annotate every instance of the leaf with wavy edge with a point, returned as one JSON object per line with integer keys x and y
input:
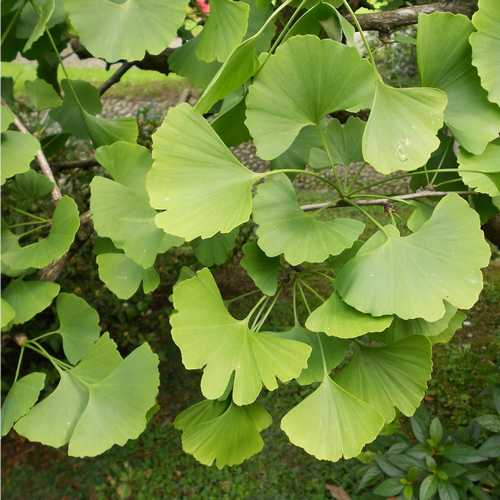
{"x": 332, "y": 423}
{"x": 486, "y": 178}
{"x": 213, "y": 431}
{"x": 215, "y": 250}
{"x": 486, "y": 47}
{"x": 120, "y": 208}
{"x": 262, "y": 269}
{"x": 201, "y": 185}
{"x": 18, "y": 150}
{"x": 211, "y": 339}
{"x": 289, "y": 93}
{"x": 394, "y": 375}
{"x": 412, "y": 276}
{"x": 335, "y": 318}
{"x": 284, "y": 228}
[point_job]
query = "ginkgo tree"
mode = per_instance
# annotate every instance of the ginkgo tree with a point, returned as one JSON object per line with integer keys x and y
{"x": 299, "y": 80}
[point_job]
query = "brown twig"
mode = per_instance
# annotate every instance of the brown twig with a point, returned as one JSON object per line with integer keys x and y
{"x": 115, "y": 77}
{"x": 74, "y": 164}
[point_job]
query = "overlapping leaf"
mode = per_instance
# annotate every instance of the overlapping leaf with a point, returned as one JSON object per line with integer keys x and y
{"x": 412, "y": 276}
{"x": 42, "y": 11}
{"x": 41, "y": 94}
{"x": 284, "y": 228}
{"x": 210, "y": 338}
{"x": 120, "y": 207}
{"x": 196, "y": 179}
{"x": 262, "y": 269}
{"x": 215, "y": 250}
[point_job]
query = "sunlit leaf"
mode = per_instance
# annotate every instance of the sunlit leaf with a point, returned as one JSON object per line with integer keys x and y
{"x": 210, "y": 338}
{"x": 262, "y": 269}
{"x": 284, "y": 228}
{"x": 215, "y": 250}
{"x": 411, "y": 276}
{"x": 455, "y": 324}
{"x": 213, "y": 431}
{"x": 7, "y": 313}
{"x": 18, "y": 150}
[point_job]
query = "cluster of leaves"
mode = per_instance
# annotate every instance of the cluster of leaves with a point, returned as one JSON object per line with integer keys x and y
{"x": 367, "y": 348}
{"x": 444, "y": 465}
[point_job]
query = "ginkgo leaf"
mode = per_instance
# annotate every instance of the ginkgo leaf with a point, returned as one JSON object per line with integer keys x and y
{"x": 473, "y": 120}
{"x": 213, "y": 431}
{"x": 332, "y": 423}
{"x": 20, "y": 399}
{"x": 31, "y": 186}
{"x": 412, "y": 276}
{"x": 486, "y": 47}
{"x": 210, "y": 338}
{"x": 101, "y": 402}
{"x": 422, "y": 213}
{"x": 134, "y": 27}
{"x": 7, "y": 313}
{"x": 391, "y": 376}
{"x": 198, "y": 181}
{"x": 64, "y": 225}
{"x": 335, "y": 318}
{"x": 344, "y": 144}
{"x": 41, "y": 94}
{"x": 215, "y": 250}
{"x": 18, "y": 150}
{"x": 333, "y": 349}
{"x": 401, "y": 132}
{"x": 262, "y": 269}
{"x": 289, "y": 93}
{"x": 298, "y": 154}
{"x": 229, "y": 123}
{"x": 28, "y": 298}
{"x": 43, "y": 10}
{"x": 225, "y": 27}
{"x": 7, "y": 118}
{"x": 78, "y": 325}
{"x": 284, "y": 228}
{"x": 129, "y": 224}
{"x": 260, "y": 12}
{"x": 78, "y": 116}
{"x": 446, "y": 335}
{"x": 123, "y": 276}
{"x": 486, "y": 167}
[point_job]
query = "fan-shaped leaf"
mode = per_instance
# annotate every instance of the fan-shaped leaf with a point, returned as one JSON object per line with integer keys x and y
{"x": 196, "y": 179}
{"x": 282, "y": 224}
{"x": 43, "y": 10}
{"x": 402, "y": 127}
{"x": 42, "y": 94}
{"x": 486, "y": 178}
{"x": 18, "y": 150}
{"x": 334, "y": 317}
{"x": 215, "y": 250}
{"x": 473, "y": 119}
{"x": 446, "y": 335}
{"x": 298, "y": 154}
{"x": 133, "y": 27}
{"x": 262, "y": 269}
{"x": 412, "y": 276}
{"x": 290, "y": 93}
{"x": 21, "y": 397}
{"x": 28, "y": 298}
{"x": 227, "y": 434}
{"x": 7, "y": 313}
{"x": 120, "y": 208}
{"x": 210, "y": 338}
{"x": 486, "y": 47}
{"x": 31, "y": 186}
{"x": 331, "y": 423}
{"x": 394, "y": 375}
{"x": 101, "y": 402}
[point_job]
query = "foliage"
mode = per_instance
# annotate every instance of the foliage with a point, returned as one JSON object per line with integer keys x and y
{"x": 395, "y": 289}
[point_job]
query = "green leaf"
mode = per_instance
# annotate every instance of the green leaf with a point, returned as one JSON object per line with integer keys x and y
{"x": 463, "y": 454}
{"x": 43, "y": 9}
{"x": 262, "y": 269}
{"x": 282, "y": 224}
{"x": 123, "y": 276}
{"x": 389, "y": 487}
{"x": 445, "y": 62}
{"x": 289, "y": 93}
{"x": 213, "y": 431}
{"x": 31, "y": 186}
{"x": 28, "y": 298}
{"x": 412, "y": 276}
{"x": 344, "y": 143}
{"x": 7, "y": 313}
{"x": 7, "y": 118}
{"x": 447, "y": 491}
{"x": 78, "y": 116}
{"x": 41, "y": 94}
{"x": 422, "y": 213}
{"x": 436, "y": 430}
{"x": 65, "y": 224}
{"x": 18, "y": 150}
{"x": 196, "y": 179}
{"x": 489, "y": 422}
{"x": 446, "y": 335}
{"x": 335, "y": 318}
{"x": 391, "y": 376}
{"x": 78, "y": 325}
{"x": 134, "y": 27}
{"x": 402, "y": 127}
{"x": 486, "y": 47}
{"x": 331, "y": 423}
{"x": 120, "y": 208}
{"x": 20, "y": 399}
{"x": 223, "y": 31}
{"x": 215, "y": 250}
{"x": 334, "y": 351}
{"x": 229, "y": 123}
{"x": 260, "y": 11}
{"x": 103, "y": 401}
{"x": 486, "y": 178}
{"x": 420, "y": 424}
{"x": 299, "y": 153}
{"x": 210, "y": 338}
{"x": 491, "y": 447}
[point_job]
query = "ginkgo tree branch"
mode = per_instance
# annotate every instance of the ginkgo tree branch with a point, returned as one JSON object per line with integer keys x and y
{"x": 115, "y": 77}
